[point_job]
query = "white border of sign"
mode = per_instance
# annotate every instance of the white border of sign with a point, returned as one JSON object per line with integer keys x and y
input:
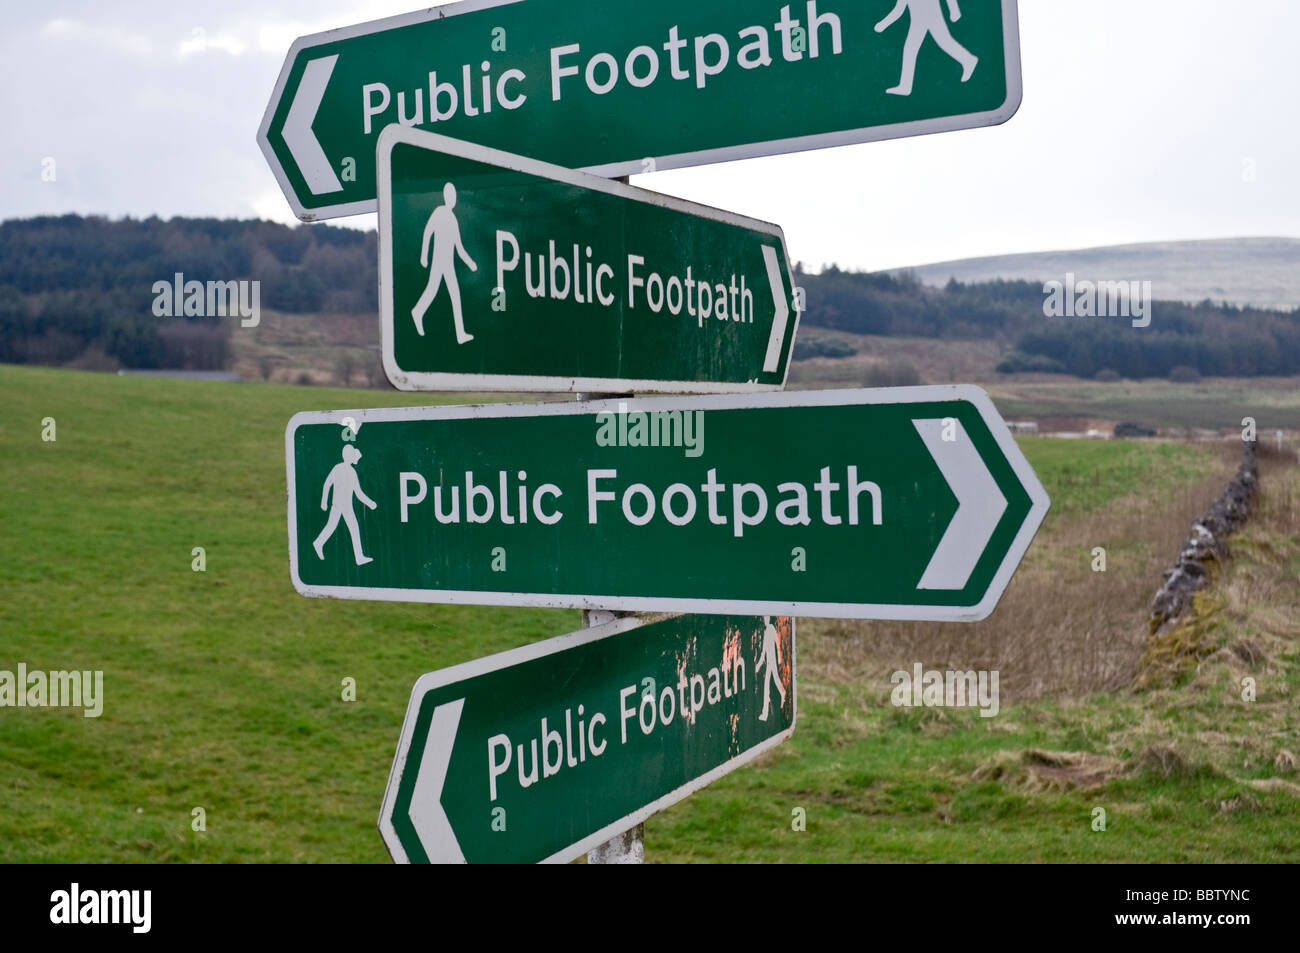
{"x": 1015, "y": 92}
{"x": 829, "y": 610}
{"x": 438, "y": 381}
{"x": 528, "y": 653}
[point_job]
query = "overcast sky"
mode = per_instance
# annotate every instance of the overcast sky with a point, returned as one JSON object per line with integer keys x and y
{"x": 1143, "y": 120}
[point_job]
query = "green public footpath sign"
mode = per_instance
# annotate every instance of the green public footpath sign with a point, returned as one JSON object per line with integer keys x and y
{"x": 497, "y": 272}
{"x": 909, "y": 503}
{"x": 634, "y": 87}
{"x": 545, "y": 752}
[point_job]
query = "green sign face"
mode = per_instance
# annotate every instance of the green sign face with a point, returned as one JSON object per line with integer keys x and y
{"x": 500, "y": 273}
{"x": 542, "y": 753}
{"x": 654, "y": 86}
{"x": 909, "y": 503}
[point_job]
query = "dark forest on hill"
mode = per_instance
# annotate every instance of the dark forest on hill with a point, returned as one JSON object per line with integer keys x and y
{"x": 80, "y": 291}
{"x": 1211, "y": 339}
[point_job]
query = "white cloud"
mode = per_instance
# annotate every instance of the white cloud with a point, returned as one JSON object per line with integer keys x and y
{"x": 200, "y": 42}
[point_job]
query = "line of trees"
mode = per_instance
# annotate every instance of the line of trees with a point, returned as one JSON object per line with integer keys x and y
{"x": 1211, "y": 339}
{"x": 76, "y": 288}
{"x": 73, "y": 286}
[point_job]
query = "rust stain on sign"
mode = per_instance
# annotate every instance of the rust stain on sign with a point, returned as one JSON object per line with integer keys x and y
{"x": 684, "y": 659}
{"x": 785, "y": 660}
{"x": 731, "y": 662}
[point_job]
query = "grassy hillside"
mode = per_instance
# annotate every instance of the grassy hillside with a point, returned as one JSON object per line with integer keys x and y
{"x": 1213, "y": 403}
{"x": 1190, "y": 772}
{"x": 223, "y": 688}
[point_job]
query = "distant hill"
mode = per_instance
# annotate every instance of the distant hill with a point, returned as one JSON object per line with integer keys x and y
{"x": 81, "y": 291}
{"x": 1177, "y": 338}
{"x": 84, "y": 292}
{"x": 1257, "y": 272}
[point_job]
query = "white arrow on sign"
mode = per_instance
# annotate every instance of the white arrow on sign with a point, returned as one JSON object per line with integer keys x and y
{"x": 427, "y": 814}
{"x": 776, "y": 339}
{"x": 980, "y": 505}
{"x": 298, "y": 136}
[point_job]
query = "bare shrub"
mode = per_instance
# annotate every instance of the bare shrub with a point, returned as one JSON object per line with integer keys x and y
{"x": 892, "y": 374}
{"x": 192, "y": 345}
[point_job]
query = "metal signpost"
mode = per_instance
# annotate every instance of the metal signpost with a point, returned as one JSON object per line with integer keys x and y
{"x": 657, "y": 86}
{"x": 545, "y": 752}
{"x": 503, "y": 268}
{"x": 497, "y": 272}
{"x": 908, "y": 503}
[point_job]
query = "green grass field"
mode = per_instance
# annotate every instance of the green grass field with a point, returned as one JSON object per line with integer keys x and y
{"x": 1212, "y": 404}
{"x": 223, "y": 689}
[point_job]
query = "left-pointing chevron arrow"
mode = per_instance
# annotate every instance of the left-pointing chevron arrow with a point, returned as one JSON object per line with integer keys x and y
{"x": 509, "y": 74}
{"x": 426, "y": 811}
{"x": 541, "y": 753}
{"x": 298, "y": 135}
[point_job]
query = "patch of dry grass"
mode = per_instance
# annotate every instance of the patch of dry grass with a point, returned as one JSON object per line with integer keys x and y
{"x": 1035, "y": 769}
{"x": 1230, "y": 709}
{"x": 1061, "y": 629}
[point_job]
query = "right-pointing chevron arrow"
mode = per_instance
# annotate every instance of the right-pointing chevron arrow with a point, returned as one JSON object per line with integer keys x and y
{"x": 776, "y": 338}
{"x": 980, "y": 504}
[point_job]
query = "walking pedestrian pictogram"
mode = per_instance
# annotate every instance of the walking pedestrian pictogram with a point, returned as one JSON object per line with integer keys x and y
{"x": 768, "y": 660}
{"x": 927, "y": 20}
{"x": 444, "y": 231}
{"x": 344, "y": 483}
